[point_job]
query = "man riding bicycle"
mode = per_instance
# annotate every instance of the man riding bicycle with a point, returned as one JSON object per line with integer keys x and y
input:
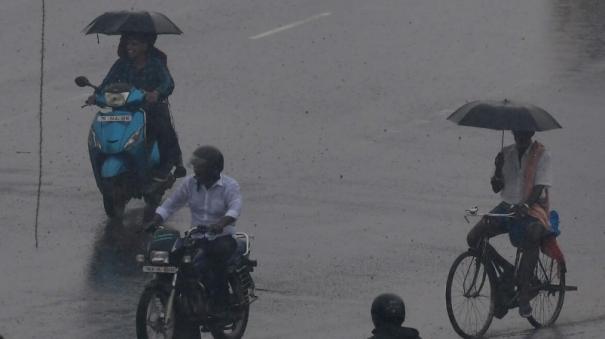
{"x": 522, "y": 177}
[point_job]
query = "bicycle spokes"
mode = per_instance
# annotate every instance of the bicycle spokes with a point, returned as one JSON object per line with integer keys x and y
{"x": 549, "y": 289}
{"x": 469, "y": 296}
{"x": 474, "y": 279}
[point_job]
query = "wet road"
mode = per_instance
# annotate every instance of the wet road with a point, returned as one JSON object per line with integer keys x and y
{"x": 332, "y": 116}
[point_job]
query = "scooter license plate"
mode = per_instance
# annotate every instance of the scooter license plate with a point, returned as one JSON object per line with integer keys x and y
{"x": 160, "y": 269}
{"x": 113, "y": 118}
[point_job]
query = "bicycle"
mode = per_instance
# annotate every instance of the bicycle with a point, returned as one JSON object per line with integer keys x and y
{"x": 487, "y": 288}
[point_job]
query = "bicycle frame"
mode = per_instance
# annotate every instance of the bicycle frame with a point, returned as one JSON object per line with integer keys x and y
{"x": 498, "y": 271}
{"x": 482, "y": 285}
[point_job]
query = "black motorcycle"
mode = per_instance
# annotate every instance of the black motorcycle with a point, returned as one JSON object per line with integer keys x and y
{"x": 175, "y": 303}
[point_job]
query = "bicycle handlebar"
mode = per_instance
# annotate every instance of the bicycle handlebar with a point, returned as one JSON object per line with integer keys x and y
{"x": 474, "y": 212}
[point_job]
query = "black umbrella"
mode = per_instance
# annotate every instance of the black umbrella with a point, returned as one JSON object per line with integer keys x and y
{"x": 504, "y": 115}
{"x": 115, "y": 23}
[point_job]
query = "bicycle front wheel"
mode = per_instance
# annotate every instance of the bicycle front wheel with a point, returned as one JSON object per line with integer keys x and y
{"x": 469, "y": 296}
{"x": 549, "y": 284}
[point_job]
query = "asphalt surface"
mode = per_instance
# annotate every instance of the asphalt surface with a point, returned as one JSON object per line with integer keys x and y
{"x": 331, "y": 114}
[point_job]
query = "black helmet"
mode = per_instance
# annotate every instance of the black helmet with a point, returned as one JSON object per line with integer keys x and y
{"x": 212, "y": 156}
{"x": 388, "y": 309}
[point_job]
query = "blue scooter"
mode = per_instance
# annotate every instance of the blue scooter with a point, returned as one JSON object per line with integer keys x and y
{"x": 122, "y": 158}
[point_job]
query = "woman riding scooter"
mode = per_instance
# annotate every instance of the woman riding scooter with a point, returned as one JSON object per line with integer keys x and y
{"x": 143, "y": 66}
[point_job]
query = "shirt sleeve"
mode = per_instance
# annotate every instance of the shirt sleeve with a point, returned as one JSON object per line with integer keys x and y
{"x": 177, "y": 200}
{"x": 166, "y": 83}
{"x": 114, "y": 75}
{"x": 233, "y": 198}
{"x": 544, "y": 174}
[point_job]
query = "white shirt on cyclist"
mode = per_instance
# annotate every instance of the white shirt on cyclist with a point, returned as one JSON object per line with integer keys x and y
{"x": 207, "y": 206}
{"x": 512, "y": 171}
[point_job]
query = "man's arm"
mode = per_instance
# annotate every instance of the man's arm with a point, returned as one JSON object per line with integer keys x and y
{"x": 523, "y": 208}
{"x": 224, "y": 222}
{"x": 497, "y": 180}
{"x": 535, "y": 194}
{"x": 176, "y": 201}
{"x": 233, "y": 198}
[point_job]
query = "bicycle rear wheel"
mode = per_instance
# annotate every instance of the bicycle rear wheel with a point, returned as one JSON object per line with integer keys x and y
{"x": 550, "y": 285}
{"x": 470, "y": 296}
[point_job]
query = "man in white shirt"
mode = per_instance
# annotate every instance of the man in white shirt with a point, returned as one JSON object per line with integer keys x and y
{"x": 215, "y": 203}
{"x": 522, "y": 177}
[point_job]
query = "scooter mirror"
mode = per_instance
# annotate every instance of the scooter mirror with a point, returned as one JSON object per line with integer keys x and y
{"x": 82, "y": 81}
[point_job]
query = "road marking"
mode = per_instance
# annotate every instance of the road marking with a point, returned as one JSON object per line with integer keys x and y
{"x": 292, "y": 25}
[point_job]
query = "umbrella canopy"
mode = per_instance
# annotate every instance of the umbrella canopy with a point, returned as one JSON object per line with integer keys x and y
{"x": 504, "y": 115}
{"x": 115, "y": 23}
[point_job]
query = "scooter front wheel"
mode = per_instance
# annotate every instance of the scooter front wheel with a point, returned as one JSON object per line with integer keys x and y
{"x": 114, "y": 201}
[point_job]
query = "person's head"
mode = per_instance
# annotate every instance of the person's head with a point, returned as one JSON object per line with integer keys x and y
{"x": 135, "y": 45}
{"x": 523, "y": 138}
{"x": 207, "y": 163}
{"x": 388, "y": 309}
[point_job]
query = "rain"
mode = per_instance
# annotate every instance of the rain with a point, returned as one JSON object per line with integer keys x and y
{"x": 332, "y": 116}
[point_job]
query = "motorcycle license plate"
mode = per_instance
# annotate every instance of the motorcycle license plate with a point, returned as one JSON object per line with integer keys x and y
{"x": 160, "y": 269}
{"x": 112, "y": 118}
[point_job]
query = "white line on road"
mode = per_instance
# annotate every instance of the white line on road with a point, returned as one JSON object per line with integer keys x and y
{"x": 292, "y": 25}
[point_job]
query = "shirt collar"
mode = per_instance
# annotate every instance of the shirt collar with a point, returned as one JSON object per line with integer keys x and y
{"x": 219, "y": 182}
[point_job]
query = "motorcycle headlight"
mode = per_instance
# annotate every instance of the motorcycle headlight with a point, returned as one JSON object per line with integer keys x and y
{"x": 133, "y": 139}
{"x": 93, "y": 139}
{"x": 116, "y": 99}
{"x": 159, "y": 257}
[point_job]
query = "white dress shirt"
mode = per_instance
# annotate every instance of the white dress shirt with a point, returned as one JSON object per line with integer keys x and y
{"x": 207, "y": 206}
{"x": 512, "y": 171}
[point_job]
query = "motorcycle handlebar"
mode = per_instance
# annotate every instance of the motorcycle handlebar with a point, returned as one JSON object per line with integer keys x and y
{"x": 203, "y": 229}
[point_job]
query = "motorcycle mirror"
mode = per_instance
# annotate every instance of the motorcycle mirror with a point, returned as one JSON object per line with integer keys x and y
{"x": 82, "y": 81}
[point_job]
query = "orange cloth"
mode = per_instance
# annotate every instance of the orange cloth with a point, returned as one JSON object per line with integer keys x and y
{"x": 540, "y": 209}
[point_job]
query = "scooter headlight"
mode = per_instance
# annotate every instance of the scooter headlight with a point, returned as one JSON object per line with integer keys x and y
{"x": 133, "y": 139}
{"x": 116, "y": 99}
{"x": 159, "y": 257}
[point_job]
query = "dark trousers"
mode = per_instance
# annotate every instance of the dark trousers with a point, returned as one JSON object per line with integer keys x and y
{"x": 161, "y": 129}
{"x": 211, "y": 262}
{"x": 533, "y": 233}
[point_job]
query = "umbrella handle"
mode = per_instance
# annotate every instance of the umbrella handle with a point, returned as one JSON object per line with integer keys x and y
{"x": 502, "y": 144}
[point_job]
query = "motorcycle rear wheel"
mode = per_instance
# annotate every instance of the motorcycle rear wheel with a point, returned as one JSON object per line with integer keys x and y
{"x": 236, "y": 328}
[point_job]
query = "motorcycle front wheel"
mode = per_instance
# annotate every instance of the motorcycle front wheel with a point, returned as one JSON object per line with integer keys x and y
{"x": 151, "y": 316}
